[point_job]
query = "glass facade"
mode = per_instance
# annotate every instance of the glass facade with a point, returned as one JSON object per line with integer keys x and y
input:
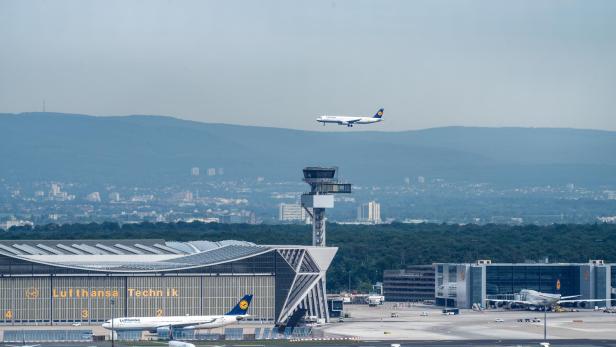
{"x": 284, "y": 280}
{"x": 601, "y": 274}
{"x": 509, "y": 279}
{"x": 476, "y": 285}
{"x": 453, "y": 273}
{"x": 503, "y": 281}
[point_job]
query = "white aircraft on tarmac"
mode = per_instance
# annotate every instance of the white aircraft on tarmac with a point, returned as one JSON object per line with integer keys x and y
{"x": 534, "y": 299}
{"x": 350, "y": 120}
{"x": 153, "y": 324}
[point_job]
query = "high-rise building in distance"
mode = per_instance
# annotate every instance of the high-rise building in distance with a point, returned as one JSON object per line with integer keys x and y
{"x": 194, "y": 171}
{"x": 369, "y": 212}
{"x": 291, "y": 213}
{"x": 94, "y": 197}
{"x": 114, "y": 197}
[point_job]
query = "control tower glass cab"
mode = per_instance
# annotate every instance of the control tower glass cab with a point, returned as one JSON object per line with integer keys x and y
{"x": 323, "y": 183}
{"x": 319, "y": 173}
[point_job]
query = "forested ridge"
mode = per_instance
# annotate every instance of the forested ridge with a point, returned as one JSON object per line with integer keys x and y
{"x": 77, "y": 148}
{"x": 366, "y": 250}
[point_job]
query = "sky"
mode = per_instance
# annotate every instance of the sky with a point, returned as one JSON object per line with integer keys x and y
{"x": 535, "y": 63}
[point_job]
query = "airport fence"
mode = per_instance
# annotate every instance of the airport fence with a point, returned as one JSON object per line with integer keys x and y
{"x": 234, "y": 333}
{"x": 23, "y": 336}
{"x": 207, "y": 337}
{"x": 288, "y": 333}
{"x": 231, "y": 334}
{"x": 188, "y": 334}
{"x": 128, "y": 335}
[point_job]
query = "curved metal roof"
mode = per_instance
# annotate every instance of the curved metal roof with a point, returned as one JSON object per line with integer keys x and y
{"x": 129, "y": 255}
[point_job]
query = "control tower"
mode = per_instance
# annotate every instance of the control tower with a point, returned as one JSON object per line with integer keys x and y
{"x": 323, "y": 183}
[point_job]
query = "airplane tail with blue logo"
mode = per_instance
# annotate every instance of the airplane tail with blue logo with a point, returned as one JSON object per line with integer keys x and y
{"x": 379, "y": 113}
{"x": 241, "y": 307}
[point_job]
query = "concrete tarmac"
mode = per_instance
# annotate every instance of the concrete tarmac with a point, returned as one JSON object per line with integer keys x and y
{"x": 467, "y": 343}
{"x": 375, "y": 327}
{"x": 376, "y": 323}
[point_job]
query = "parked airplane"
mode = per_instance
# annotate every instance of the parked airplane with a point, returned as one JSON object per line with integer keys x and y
{"x": 534, "y": 299}
{"x": 153, "y": 324}
{"x": 350, "y": 121}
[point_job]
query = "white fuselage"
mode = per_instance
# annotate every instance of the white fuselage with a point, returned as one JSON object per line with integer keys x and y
{"x": 347, "y": 120}
{"x": 185, "y": 322}
{"x": 538, "y": 298}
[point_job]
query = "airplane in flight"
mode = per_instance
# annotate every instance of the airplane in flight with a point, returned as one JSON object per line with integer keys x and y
{"x": 153, "y": 324}
{"x": 534, "y": 299}
{"x": 349, "y": 121}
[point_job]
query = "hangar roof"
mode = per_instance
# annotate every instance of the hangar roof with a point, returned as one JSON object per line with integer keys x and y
{"x": 149, "y": 255}
{"x": 112, "y": 247}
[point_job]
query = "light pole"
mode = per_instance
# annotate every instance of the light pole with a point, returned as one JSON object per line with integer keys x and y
{"x": 545, "y": 324}
{"x": 349, "y": 281}
{"x": 112, "y": 301}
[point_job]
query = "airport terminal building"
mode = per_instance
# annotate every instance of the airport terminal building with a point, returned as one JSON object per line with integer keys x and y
{"x": 90, "y": 281}
{"x": 462, "y": 285}
{"x": 413, "y": 283}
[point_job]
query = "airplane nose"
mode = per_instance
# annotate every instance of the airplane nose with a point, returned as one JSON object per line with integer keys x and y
{"x": 106, "y": 325}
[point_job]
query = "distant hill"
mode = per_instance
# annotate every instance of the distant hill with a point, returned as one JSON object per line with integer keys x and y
{"x": 159, "y": 150}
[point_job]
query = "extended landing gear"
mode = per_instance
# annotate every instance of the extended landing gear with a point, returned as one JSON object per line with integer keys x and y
{"x": 350, "y": 125}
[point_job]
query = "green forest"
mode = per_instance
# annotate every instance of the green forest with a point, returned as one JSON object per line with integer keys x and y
{"x": 366, "y": 250}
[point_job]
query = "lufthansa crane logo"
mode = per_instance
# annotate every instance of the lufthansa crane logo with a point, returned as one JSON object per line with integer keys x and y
{"x": 380, "y": 113}
{"x": 558, "y": 284}
{"x": 32, "y": 293}
{"x": 244, "y": 304}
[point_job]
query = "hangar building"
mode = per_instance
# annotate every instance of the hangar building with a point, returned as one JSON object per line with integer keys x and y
{"x": 89, "y": 281}
{"x": 462, "y": 285}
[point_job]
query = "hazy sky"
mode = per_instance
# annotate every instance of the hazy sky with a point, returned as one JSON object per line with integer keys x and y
{"x": 280, "y": 63}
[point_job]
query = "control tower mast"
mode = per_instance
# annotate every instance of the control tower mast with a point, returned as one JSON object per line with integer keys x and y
{"x": 323, "y": 183}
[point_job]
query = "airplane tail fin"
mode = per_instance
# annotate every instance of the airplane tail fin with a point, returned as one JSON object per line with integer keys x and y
{"x": 379, "y": 113}
{"x": 241, "y": 307}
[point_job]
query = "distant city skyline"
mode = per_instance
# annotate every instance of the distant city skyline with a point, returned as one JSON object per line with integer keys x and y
{"x": 276, "y": 63}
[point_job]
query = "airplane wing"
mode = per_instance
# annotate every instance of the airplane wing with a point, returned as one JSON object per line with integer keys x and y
{"x": 584, "y": 300}
{"x": 353, "y": 120}
{"x": 520, "y": 302}
{"x": 569, "y": 297}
